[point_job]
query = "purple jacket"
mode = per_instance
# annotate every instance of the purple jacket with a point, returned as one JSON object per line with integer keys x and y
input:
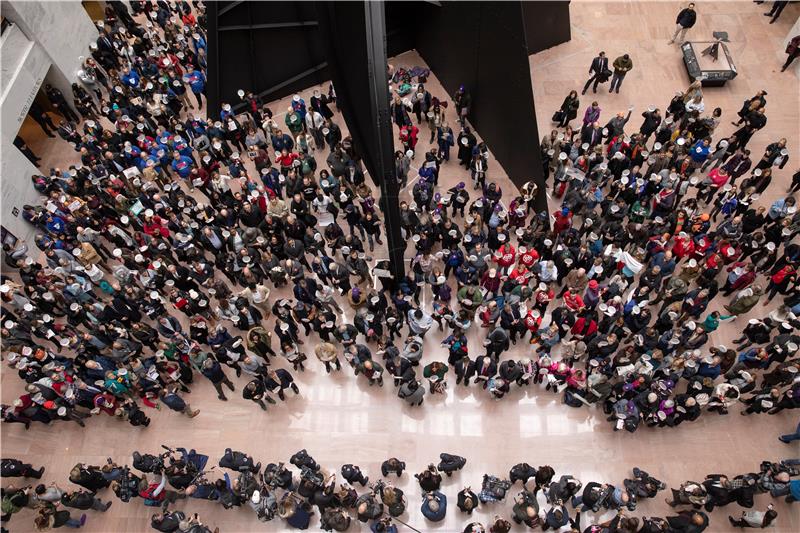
{"x": 592, "y": 115}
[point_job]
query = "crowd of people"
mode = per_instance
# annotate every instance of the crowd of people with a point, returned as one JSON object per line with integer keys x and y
{"x": 159, "y": 253}
{"x": 292, "y": 494}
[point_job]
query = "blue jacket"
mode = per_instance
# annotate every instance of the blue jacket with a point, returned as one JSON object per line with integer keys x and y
{"x": 434, "y": 516}
{"x": 130, "y": 78}
{"x": 196, "y": 80}
{"x": 699, "y": 153}
{"x": 183, "y": 166}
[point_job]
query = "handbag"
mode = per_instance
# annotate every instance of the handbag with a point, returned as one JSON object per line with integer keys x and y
{"x": 558, "y": 116}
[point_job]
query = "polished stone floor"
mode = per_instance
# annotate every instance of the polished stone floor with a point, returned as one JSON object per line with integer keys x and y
{"x": 339, "y": 419}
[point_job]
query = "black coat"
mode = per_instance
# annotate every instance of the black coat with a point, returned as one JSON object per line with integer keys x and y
{"x": 686, "y": 18}
{"x": 599, "y": 65}
{"x": 570, "y": 107}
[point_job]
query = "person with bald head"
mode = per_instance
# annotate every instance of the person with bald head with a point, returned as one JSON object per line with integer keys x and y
{"x": 372, "y": 370}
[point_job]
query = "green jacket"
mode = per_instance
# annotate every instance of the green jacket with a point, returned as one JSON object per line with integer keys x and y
{"x": 623, "y": 65}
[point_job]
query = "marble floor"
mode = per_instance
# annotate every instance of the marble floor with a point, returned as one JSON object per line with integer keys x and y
{"x": 339, "y": 419}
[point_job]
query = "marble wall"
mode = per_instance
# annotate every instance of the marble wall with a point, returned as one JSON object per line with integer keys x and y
{"x": 46, "y": 41}
{"x": 63, "y": 29}
{"x": 24, "y": 67}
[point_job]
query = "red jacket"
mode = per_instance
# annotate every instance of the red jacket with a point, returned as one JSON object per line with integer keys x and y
{"x": 507, "y": 255}
{"x": 532, "y": 322}
{"x": 154, "y": 227}
{"x": 562, "y": 222}
{"x": 529, "y": 258}
{"x": 582, "y": 327}
{"x": 682, "y": 247}
{"x": 783, "y": 275}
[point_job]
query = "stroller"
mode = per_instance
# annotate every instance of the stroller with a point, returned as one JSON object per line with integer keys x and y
{"x": 493, "y": 489}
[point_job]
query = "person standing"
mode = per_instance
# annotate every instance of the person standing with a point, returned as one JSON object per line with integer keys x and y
{"x": 755, "y": 519}
{"x": 598, "y": 69}
{"x": 20, "y": 143}
{"x": 56, "y": 98}
{"x": 622, "y": 65}
{"x": 775, "y": 12}
{"x": 686, "y": 19}
{"x": 213, "y": 371}
{"x": 652, "y": 120}
{"x": 568, "y": 110}
{"x": 37, "y": 113}
{"x": 793, "y": 50}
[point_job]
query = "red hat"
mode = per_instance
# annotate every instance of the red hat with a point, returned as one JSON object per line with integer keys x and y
{"x": 49, "y": 404}
{"x": 593, "y": 283}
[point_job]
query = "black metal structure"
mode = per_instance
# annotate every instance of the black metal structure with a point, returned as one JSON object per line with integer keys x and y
{"x": 546, "y": 24}
{"x": 271, "y": 48}
{"x": 356, "y": 34}
{"x": 482, "y": 46}
{"x": 278, "y": 48}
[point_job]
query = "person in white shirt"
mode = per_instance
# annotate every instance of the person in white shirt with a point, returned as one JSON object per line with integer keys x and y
{"x": 756, "y": 519}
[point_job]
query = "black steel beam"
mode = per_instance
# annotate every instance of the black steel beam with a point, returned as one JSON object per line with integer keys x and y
{"x": 275, "y": 26}
{"x": 354, "y": 34}
{"x": 377, "y": 69}
{"x": 228, "y": 7}
{"x": 212, "y": 60}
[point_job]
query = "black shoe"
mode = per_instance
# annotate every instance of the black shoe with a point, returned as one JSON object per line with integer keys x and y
{"x": 222, "y": 397}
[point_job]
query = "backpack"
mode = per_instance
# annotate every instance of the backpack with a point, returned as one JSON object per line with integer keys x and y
{"x": 9, "y": 506}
